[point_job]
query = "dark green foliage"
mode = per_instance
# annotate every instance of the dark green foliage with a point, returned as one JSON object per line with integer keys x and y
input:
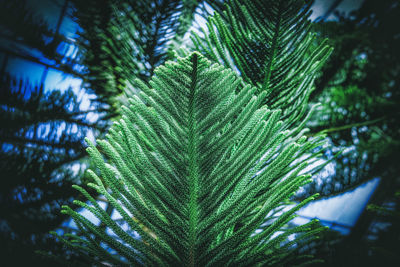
{"x": 172, "y": 164}
{"x": 200, "y": 159}
{"x": 43, "y": 130}
{"x": 270, "y": 45}
{"x": 358, "y": 88}
{"x": 122, "y": 40}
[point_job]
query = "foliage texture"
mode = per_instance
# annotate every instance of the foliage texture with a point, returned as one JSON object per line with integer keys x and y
{"x": 270, "y": 45}
{"x": 124, "y": 40}
{"x": 194, "y": 167}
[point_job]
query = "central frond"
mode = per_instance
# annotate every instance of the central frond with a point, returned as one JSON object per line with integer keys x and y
{"x": 194, "y": 167}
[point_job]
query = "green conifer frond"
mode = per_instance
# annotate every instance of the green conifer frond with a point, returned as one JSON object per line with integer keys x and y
{"x": 177, "y": 167}
{"x": 268, "y": 42}
{"x": 124, "y": 40}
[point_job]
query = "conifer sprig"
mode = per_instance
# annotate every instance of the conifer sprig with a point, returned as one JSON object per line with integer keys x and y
{"x": 269, "y": 43}
{"x": 180, "y": 162}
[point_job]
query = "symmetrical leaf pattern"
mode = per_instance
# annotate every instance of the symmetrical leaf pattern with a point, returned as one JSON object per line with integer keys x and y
{"x": 194, "y": 167}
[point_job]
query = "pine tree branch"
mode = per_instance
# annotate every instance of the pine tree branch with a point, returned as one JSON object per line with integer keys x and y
{"x": 22, "y": 55}
{"x": 348, "y": 126}
{"x": 271, "y": 59}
